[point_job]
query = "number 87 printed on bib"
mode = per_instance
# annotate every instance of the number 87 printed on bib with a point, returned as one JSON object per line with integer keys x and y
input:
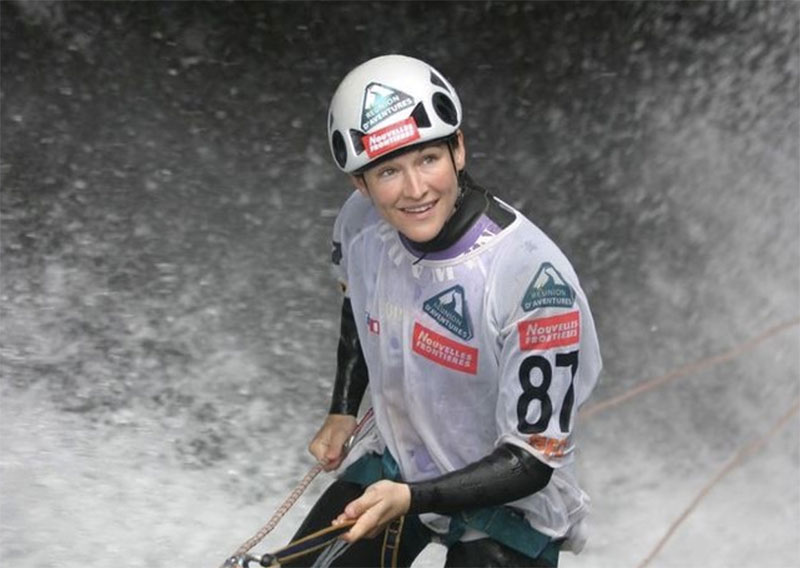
{"x": 546, "y": 381}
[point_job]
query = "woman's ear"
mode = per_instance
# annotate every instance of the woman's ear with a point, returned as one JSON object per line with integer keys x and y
{"x": 358, "y": 183}
{"x": 460, "y": 152}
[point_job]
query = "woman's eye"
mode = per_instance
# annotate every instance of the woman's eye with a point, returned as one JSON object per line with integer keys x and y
{"x": 386, "y": 172}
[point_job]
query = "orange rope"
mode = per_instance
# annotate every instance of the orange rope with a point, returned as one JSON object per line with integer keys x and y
{"x": 290, "y": 500}
{"x": 740, "y": 456}
{"x": 683, "y": 371}
{"x": 687, "y": 369}
{"x": 282, "y": 510}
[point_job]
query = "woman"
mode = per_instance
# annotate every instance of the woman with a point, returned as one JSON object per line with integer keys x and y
{"x": 471, "y": 329}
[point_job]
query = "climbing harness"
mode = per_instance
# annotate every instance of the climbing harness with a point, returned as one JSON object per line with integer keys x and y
{"x": 501, "y": 523}
{"x": 391, "y": 543}
{"x": 310, "y": 543}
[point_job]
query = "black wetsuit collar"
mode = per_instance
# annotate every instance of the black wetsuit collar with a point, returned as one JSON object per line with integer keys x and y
{"x": 472, "y": 202}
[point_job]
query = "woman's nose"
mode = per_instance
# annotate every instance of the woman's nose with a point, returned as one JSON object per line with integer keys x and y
{"x": 414, "y": 186}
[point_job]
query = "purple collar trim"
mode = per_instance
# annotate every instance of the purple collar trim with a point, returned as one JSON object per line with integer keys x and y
{"x": 467, "y": 242}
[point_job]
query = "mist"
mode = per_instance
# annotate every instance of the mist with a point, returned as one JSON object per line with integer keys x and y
{"x": 170, "y": 319}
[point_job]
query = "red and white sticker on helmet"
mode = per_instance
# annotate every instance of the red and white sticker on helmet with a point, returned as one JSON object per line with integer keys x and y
{"x": 394, "y": 136}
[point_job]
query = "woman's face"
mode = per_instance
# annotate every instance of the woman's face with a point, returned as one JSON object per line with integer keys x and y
{"x": 415, "y": 192}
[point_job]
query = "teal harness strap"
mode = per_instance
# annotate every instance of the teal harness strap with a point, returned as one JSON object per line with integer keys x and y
{"x": 371, "y": 468}
{"x": 502, "y": 524}
{"x": 507, "y": 527}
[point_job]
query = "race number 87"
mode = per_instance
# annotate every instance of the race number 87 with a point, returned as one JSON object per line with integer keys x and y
{"x": 531, "y": 392}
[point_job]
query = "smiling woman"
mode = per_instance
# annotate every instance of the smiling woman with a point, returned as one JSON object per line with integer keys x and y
{"x": 472, "y": 441}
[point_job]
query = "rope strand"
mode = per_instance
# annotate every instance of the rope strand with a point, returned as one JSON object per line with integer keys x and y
{"x": 740, "y": 456}
{"x": 281, "y": 511}
{"x": 689, "y": 368}
{"x": 291, "y": 499}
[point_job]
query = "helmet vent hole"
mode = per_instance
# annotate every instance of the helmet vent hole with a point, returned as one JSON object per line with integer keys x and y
{"x": 358, "y": 145}
{"x": 445, "y": 108}
{"x": 339, "y": 150}
{"x": 421, "y": 117}
{"x": 438, "y": 81}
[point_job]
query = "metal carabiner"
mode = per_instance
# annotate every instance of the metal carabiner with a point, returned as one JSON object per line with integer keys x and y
{"x": 244, "y": 560}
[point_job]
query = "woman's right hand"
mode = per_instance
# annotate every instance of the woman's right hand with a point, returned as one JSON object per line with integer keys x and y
{"x": 328, "y": 444}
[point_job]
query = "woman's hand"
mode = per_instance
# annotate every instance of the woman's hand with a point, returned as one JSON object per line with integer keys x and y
{"x": 381, "y": 503}
{"x": 328, "y": 444}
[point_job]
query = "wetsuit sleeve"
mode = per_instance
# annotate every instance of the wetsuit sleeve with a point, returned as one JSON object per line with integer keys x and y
{"x": 507, "y": 474}
{"x": 351, "y": 367}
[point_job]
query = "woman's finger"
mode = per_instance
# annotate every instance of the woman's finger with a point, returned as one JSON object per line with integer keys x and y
{"x": 366, "y": 523}
{"x": 358, "y": 507}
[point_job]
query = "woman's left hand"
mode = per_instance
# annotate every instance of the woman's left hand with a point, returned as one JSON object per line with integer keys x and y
{"x": 381, "y": 503}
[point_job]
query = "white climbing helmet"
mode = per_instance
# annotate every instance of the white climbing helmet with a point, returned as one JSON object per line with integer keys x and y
{"x": 387, "y": 103}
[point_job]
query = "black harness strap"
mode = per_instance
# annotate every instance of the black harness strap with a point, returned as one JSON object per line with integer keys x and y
{"x": 322, "y": 538}
{"x": 306, "y": 545}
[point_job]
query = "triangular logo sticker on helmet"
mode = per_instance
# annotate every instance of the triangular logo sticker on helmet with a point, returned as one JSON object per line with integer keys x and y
{"x": 548, "y": 289}
{"x": 449, "y": 309}
{"x": 381, "y": 102}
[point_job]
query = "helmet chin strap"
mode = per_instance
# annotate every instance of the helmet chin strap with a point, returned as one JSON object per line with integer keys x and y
{"x": 460, "y": 196}
{"x": 471, "y": 204}
{"x": 456, "y": 205}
